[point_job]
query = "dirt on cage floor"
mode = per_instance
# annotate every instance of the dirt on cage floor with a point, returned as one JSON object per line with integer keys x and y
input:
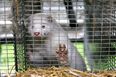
{"x": 62, "y": 72}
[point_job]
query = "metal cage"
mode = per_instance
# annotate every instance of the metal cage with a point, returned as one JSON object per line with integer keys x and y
{"x": 89, "y": 25}
{"x": 7, "y": 41}
{"x": 72, "y": 23}
{"x": 100, "y": 32}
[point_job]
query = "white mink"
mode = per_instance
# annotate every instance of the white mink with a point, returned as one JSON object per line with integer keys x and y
{"x": 43, "y": 25}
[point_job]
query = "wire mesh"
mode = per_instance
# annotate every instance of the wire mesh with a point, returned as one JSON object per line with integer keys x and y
{"x": 7, "y": 57}
{"x": 86, "y": 22}
{"x": 89, "y": 26}
{"x": 70, "y": 23}
{"x": 19, "y": 31}
{"x": 100, "y": 32}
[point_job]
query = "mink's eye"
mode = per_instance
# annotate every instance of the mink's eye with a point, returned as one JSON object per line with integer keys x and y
{"x": 43, "y": 26}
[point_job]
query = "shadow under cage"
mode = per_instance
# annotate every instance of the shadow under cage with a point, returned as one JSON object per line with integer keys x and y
{"x": 49, "y": 33}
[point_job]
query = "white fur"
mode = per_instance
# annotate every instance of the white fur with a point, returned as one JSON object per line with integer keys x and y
{"x": 55, "y": 35}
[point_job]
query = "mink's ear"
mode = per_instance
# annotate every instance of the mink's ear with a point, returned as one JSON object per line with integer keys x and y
{"x": 50, "y": 18}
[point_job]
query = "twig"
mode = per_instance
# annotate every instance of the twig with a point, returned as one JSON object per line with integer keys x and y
{"x": 75, "y": 74}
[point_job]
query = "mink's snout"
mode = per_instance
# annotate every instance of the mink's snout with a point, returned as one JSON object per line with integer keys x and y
{"x": 36, "y": 33}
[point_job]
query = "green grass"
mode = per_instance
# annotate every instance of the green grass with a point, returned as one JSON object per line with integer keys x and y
{"x": 80, "y": 49}
{"x": 7, "y": 57}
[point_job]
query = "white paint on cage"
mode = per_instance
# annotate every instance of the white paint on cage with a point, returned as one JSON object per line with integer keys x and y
{"x": 5, "y": 22}
{"x": 75, "y": 34}
{"x": 6, "y": 29}
{"x": 61, "y": 21}
{"x": 57, "y": 9}
{"x": 54, "y": 8}
{"x": 5, "y": 9}
{"x": 80, "y": 21}
{"x": 6, "y": 35}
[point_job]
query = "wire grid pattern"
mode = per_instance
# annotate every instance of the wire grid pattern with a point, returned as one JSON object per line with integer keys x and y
{"x": 100, "y": 33}
{"x": 7, "y": 57}
{"x": 91, "y": 22}
{"x": 72, "y": 23}
{"x": 18, "y": 24}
